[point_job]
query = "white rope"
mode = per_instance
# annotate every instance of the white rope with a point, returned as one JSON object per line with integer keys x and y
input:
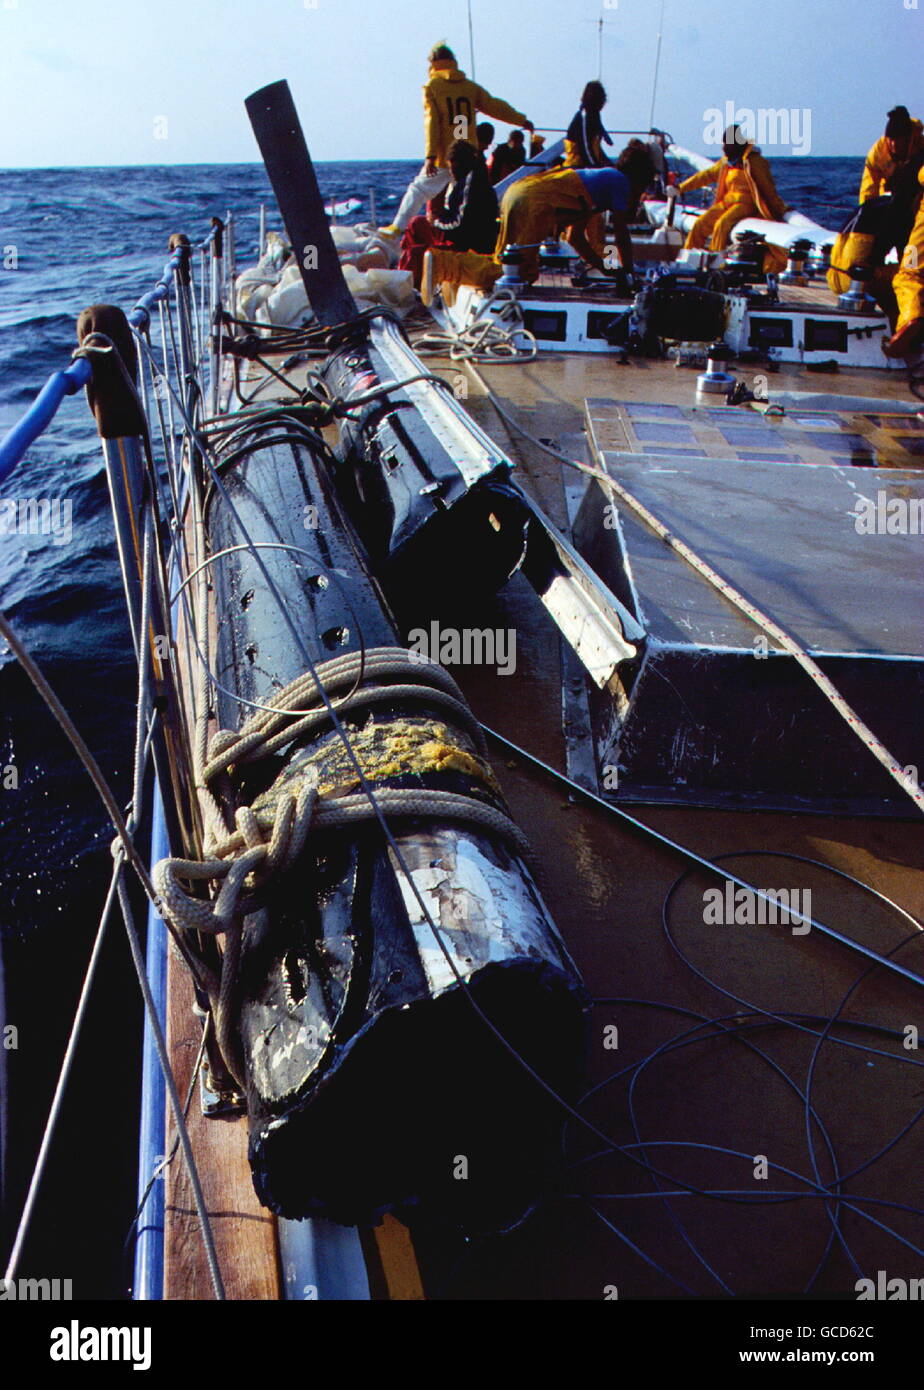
{"x": 486, "y": 337}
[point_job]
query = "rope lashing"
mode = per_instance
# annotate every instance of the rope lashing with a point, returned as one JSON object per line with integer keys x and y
{"x": 270, "y": 834}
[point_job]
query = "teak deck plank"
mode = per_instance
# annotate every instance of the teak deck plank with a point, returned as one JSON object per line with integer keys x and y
{"x": 245, "y": 1232}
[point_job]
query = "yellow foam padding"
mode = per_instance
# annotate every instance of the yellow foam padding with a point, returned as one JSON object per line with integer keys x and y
{"x": 383, "y": 751}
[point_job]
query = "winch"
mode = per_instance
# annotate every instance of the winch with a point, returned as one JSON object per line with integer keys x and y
{"x": 855, "y": 300}
{"x": 512, "y": 262}
{"x": 795, "y": 272}
{"x": 715, "y": 380}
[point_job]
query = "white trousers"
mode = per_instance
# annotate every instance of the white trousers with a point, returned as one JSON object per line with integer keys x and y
{"x": 419, "y": 192}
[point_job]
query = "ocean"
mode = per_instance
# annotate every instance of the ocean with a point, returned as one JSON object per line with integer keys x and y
{"x": 70, "y": 238}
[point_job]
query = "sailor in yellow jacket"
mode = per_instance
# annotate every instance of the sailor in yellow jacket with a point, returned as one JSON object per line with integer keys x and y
{"x": 451, "y": 106}
{"x": 563, "y": 202}
{"x": 908, "y": 286}
{"x": 902, "y": 141}
{"x": 745, "y": 189}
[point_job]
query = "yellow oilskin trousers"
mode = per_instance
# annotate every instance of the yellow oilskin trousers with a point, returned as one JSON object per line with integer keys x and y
{"x": 734, "y": 202}
{"x": 532, "y": 209}
{"x": 542, "y": 206}
{"x": 744, "y": 190}
{"x": 908, "y": 284}
{"x": 856, "y": 248}
{"x": 716, "y": 225}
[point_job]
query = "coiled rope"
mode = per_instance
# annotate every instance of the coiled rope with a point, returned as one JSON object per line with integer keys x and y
{"x": 487, "y": 337}
{"x": 269, "y": 836}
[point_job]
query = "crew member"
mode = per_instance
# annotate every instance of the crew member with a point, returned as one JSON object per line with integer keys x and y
{"x": 890, "y": 198}
{"x": 509, "y": 157}
{"x": 586, "y": 135}
{"x": 451, "y": 102}
{"x": 561, "y": 203}
{"x": 485, "y": 133}
{"x": 584, "y": 141}
{"x": 469, "y": 218}
{"x": 658, "y": 142}
{"x": 908, "y": 287}
{"x": 745, "y": 188}
{"x": 903, "y": 139}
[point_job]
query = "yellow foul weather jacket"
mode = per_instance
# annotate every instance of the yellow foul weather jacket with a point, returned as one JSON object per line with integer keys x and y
{"x": 750, "y": 181}
{"x": 451, "y": 107}
{"x": 880, "y": 166}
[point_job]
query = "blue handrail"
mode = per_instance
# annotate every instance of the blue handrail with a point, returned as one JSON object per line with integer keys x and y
{"x": 41, "y": 413}
{"x": 140, "y": 316}
{"x": 68, "y": 382}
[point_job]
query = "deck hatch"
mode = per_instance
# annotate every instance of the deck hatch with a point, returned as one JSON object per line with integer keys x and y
{"x": 548, "y": 324}
{"x": 775, "y": 332}
{"x": 826, "y": 335}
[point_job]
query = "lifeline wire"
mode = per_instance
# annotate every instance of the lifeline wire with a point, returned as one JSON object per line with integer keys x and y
{"x": 124, "y": 849}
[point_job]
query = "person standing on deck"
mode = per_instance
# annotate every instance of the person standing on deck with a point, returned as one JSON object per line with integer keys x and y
{"x": 509, "y": 157}
{"x": 586, "y": 135}
{"x": 584, "y": 141}
{"x": 485, "y": 133}
{"x": 451, "y": 103}
{"x": 745, "y": 188}
{"x": 563, "y": 202}
{"x": 908, "y": 287}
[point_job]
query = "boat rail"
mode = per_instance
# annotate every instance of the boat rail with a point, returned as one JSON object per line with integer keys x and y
{"x": 216, "y": 275}
{"x": 179, "y": 373}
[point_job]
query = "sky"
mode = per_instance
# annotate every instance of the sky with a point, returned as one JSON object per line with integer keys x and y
{"x": 113, "y": 82}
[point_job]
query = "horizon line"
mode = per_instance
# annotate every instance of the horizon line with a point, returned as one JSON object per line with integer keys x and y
{"x": 258, "y": 164}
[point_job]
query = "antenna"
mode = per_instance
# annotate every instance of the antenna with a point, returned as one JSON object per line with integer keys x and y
{"x": 654, "y": 85}
{"x": 600, "y": 24}
{"x": 471, "y": 39}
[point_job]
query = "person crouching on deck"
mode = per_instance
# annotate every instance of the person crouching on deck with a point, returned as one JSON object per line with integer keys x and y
{"x": 745, "y": 188}
{"x": 451, "y": 103}
{"x": 467, "y": 221}
{"x": 561, "y": 203}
